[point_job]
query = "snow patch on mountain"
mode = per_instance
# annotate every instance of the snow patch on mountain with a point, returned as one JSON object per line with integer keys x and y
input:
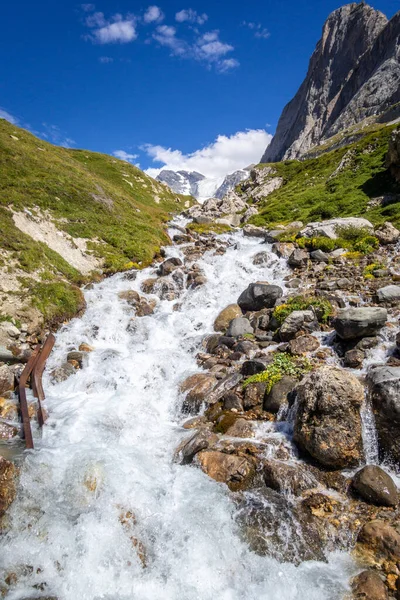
{"x": 201, "y": 187}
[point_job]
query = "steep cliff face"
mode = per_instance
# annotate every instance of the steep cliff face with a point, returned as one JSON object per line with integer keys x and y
{"x": 354, "y": 73}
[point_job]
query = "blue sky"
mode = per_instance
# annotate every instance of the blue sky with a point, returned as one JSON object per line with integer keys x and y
{"x": 198, "y": 84}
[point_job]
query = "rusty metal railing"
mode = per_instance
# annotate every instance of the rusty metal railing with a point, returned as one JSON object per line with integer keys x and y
{"x": 34, "y": 369}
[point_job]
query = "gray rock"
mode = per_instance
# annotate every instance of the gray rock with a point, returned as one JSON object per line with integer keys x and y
{"x": 258, "y": 296}
{"x": 329, "y": 228}
{"x": 353, "y": 323}
{"x": 353, "y": 74}
{"x": 224, "y": 386}
{"x": 285, "y": 478}
{"x": 390, "y": 293}
{"x": 239, "y": 327}
{"x": 384, "y": 385}
{"x": 297, "y": 321}
{"x": 253, "y": 231}
{"x": 6, "y": 379}
{"x": 278, "y": 396}
{"x": 319, "y": 256}
{"x": 374, "y": 485}
{"x": 62, "y": 373}
{"x": 201, "y": 440}
{"x": 387, "y": 234}
{"x": 168, "y": 266}
{"x": 231, "y": 400}
{"x": 298, "y": 258}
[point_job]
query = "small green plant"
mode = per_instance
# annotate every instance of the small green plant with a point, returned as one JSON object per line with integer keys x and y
{"x": 350, "y": 233}
{"x": 283, "y": 364}
{"x": 367, "y": 244}
{"x": 208, "y": 228}
{"x": 323, "y": 308}
{"x": 370, "y": 269}
{"x": 9, "y": 319}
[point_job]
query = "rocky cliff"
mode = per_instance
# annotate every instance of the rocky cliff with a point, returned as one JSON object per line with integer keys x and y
{"x": 354, "y": 73}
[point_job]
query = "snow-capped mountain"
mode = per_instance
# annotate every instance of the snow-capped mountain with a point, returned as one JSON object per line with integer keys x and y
{"x": 199, "y": 186}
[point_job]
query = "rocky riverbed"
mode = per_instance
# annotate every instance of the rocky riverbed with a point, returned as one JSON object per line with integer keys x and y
{"x": 253, "y": 360}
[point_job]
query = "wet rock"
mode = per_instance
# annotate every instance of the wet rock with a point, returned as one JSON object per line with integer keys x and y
{"x": 278, "y": 397}
{"x": 242, "y": 428}
{"x": 254, "y": 394}
{"x": 7, "y": 431}
{"x": 381, "y": 539}
{"x": 262, "y": 258}
{"x": 195, "y": 422}
{"x": 328, "y": 422}
{"x": 298, "y": 258}
{"x": 201, "y": 440}
{"x": 354, "y": 359}
{"x": 235, "y": 471}
{"x": 145, "y": 308}
{"x": 368, "y": 586}
{"x": 181, "y": 239}
{"x": 374, "y": 485}
{"x": 287, "y": 478}
{"x": 198, "y": 387}
{"x": 303, "y": 344}
{"x": 231, "y": 400}
{"x": 6, "y": 379}
{"x": 389, "y": 293}
{"x": 253, "y": 231}
{"x": 246, "y": 347}
{"x": 85, "y": 348}
{"x": 148, "y": 286}
{"x": 229, "y": 313}
{"x": 387, "y": 234}
{"x": 8, "y": 409}
{"x": 252, "y": 367}
{"x": 62, "y": 373}
{"x": 384, "y": 384}
{"x": 8, "y": 474}
{"x": 353, "y": 323}
{"x": 239, "y": 327}
{"x": 76, "y": 357}
{"x": 258, "y": 296}
{"x": 130, "y": 296}
{"x": 298, "y": 320}
{"x": 168, "y": 266}
{"x": 223, "y": 386}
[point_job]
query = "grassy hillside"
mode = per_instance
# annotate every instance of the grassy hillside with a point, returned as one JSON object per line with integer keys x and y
{"x": 115, "y": 206}
{"x": 338, "y": 183}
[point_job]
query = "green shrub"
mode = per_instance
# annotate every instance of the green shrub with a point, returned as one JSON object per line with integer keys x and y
{"x": 367, "y": 244}
{"x": 351, "y": 233}
{"x": 370, "y": 269}
{"x": 283, "y": 364}
{"x": 323, "y": 308}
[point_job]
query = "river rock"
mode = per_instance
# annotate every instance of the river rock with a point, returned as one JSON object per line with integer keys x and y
{"x": 297, "y": 321}
{"x": 258, "y": 296}
{"x": 226, "y": 315}
{"x": 278, "y": 396}
{"x": 319, "y": 256}
{"x": 354, "y": 358}
{"x": 7, "y": 431}
{"x": 201, "y": 440}
{"x": 380, "y": 538}
{"x": 8, "y": 474}
{"x": 387, "y": 234}
{"x": 298, "y": 258}
{"x": 168, "y": 266}
{"x": 62, "y": 372}
{"x": 198, "y": 387}
{"x": 368, "y": 586}
{"x": 254, "y": 394}
{"x": 261, "y": 258}
{"x": 252, "y": 367}
{"x": 235, "y": 471}
{"x": 374, "y": 485}
{"x": 239, "y": 327}
{"x": 6, "y": 379}
{"x": 242, "y": 428}
{"x": 223, "y": 386}
{"x": 353, "y": 323}
{"x": 231, "y": 400}
{"x": 328, "y": 422}
{"x": 384, "y": 384}
{"x": 254, "y": 231}
{"x": 283, "y": 249}
{"x": 287, "y": 478}
{"x": 303, "y": 344}
{"x": 389, "y": 293}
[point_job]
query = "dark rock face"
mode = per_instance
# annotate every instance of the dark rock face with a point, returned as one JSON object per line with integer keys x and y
{"x": 278, "y": 396}
{"x": 353, "y": 323}
{"x": 328, "y": 422}
{"x": 384, "y": 383}
{"x": 375, "y": 486}
{"x": 393, "y": 155}
{"x": 258, "y": 296}
{"x": 354, "y": 73}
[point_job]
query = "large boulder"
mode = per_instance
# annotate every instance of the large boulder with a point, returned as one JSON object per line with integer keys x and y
{"x": 389, "y": 293}
{"x": 328, "y": 421}
{"x": 368, "y": 586}
{"x": 254, "y": 231}
{"x": 258, "y": 296}
{"x": 381, "y": 539}
{"x": 329, "y": 228}
{"x": 384, "y": 385}
{"x": 298, "y": 320}
{"x": 226, "y": 315}
{"x": 6, "y": 379}
{"x": 235, "y": 471}
{"x": 298, "y": 258}
{"x": 239, "y": 327}
{"x": 387, "y": 234}
{"x": 353, "y": 323}
{"x": 374, "y": 485}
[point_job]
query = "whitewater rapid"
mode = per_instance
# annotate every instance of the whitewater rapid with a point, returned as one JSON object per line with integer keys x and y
{"x": 108, "y": 449}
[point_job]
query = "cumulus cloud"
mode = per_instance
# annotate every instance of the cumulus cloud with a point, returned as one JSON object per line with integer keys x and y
{"x": 4, "y": 114}
{"x": 258, "y": 30}
{"x": 166, "y": 36}
{"x": 191, "y": 16}
{"x": 117, "y": 29}
{"x": 121, "y": 154}
{"x": 153, "y": 14}
{"x": 225, "y": 155}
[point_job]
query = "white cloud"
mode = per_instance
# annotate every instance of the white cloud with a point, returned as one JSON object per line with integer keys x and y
{"x": 105, "y": 60}
{"x": 121, "y": 154}
{"x": 4, "y": 114}
{"x": 191, "y": 16}
{"x": 121, "y": 31}
{"x": 88, "y": 7}
{"x": 54, "y": 134}
{"x": 96, "y": 20}
{"x": 258, "y": 30}
{"x": 228, "y": 64}
{"x": 166, "y": 36}
{"x": 225, "y": 155}
{"x": 153, "y": 14}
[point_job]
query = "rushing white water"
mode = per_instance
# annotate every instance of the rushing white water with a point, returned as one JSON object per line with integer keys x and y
{"x": 108, "y": 447}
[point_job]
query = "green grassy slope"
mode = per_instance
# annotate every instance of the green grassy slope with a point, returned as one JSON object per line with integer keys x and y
{"x": 319, "y": 188}
{"x": 88, "y": 195}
